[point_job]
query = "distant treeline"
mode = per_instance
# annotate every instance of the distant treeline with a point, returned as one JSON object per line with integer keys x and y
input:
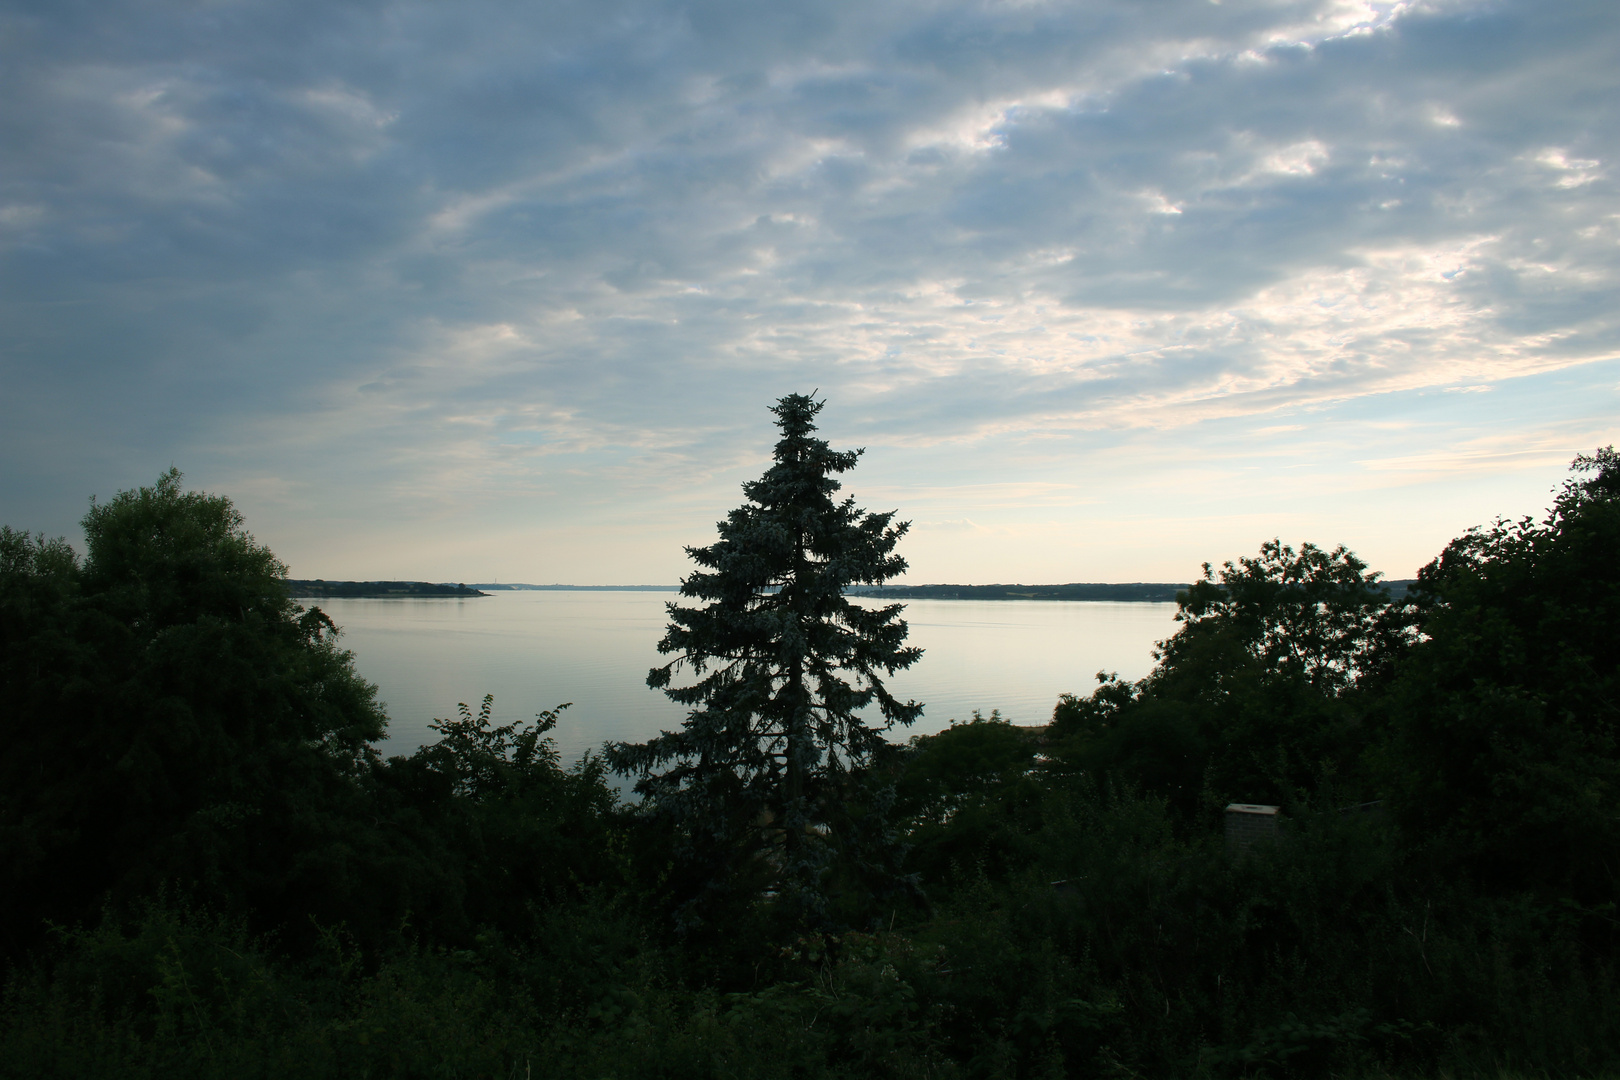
{"x": 518, "y": 586}
{"x": 1132, "y": 591}
{"x": 304, "y": 589}
{"x": 1082, "y": 590}
{"x": 1128, "y": 592}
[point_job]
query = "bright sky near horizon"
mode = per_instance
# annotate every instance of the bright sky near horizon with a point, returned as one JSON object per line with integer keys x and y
{"x": 1105, "y": 289}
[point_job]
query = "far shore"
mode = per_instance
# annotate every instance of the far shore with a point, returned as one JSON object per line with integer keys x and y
{"x": 1137, "y": 592}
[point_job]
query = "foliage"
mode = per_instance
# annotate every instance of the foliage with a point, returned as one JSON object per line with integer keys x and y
{"x": 173, "y": 719}
{"x": 1505, "y": 754}
{"x": 478, "y": 909}
{"x": 503, "y": 824}
{"x": 1253, "y": 698}
{"x": 759, "y": 778}
{"x": 969, "y": 797}
{"x": 1151, "y": 955}
{"x": 483, "y": 762}
{"x": 168, "y": 715}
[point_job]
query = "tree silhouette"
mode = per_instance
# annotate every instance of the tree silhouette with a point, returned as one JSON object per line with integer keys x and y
{"x": 784, "y": 665}
{"x": 170, "y": 715}
{"x": 1506, "y": 748}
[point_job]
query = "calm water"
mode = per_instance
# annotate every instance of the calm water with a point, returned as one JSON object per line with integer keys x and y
{"x": 534, "y": 650}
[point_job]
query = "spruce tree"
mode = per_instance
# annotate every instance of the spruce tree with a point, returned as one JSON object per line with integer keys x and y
{"x": 783, "y": 665}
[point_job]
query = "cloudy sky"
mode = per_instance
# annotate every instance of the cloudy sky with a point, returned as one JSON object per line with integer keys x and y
{"x": 1105, "y": 289}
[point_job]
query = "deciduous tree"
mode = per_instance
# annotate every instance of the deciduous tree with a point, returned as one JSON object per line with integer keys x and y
{"x": 170, "y": 715}
{"x": 1251, "y": 697}
{"x": 1507, "y": 742}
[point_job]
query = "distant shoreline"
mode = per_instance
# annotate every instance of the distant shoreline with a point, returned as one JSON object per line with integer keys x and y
{"x": 319, "y": 589}
{"x": 522, "y": 587}
{"x": 1127, "y": 592}
{"x": 1137, "y": 592}
{"x": 1133, "y": 591}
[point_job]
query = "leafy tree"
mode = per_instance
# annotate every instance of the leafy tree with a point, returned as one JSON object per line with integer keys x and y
{"x": 1313, "y": 615}
{"x": 969, "y": 796}
{"x": 1252, "y": 698}
{"x": 505, "y": 824}
{"x": 1506, "y": 751}
{"x": 170, "y": 715}
{"x": 760, "y": 773}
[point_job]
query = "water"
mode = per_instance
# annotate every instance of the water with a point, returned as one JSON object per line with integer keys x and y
{"x": 535, "y": 650}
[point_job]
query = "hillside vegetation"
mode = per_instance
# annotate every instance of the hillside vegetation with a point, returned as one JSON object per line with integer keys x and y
{"x": 209, "y": 870}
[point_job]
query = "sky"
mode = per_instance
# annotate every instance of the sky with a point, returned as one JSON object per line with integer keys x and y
{"x": 1105, "y": 290}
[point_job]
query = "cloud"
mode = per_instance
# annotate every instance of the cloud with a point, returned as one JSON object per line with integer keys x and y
{"x": 413, "y": 260}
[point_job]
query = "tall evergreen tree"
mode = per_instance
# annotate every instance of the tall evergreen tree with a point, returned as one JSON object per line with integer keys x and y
{"x": 784, "y": 664}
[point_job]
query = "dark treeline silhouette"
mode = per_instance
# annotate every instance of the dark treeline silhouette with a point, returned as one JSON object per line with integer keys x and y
{"x": 1138, "y": 591}
{"x": 1126, "y": 591}
{"x": 318, "y": 589}
{"x": 210, "y": 870}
